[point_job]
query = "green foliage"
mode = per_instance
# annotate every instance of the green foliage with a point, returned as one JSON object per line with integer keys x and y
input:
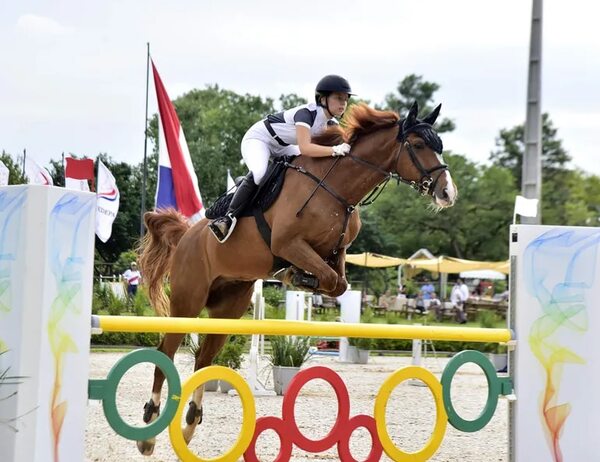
{"x": 141, "y": 302}
{"x": 232, "y": 352}
{"x": 15, "y": 169}
{"x": 414, "y": 88}
{"x": 511, "y": 148}
{"x": 367, "y": 316}
{"x": 214, "y": 121}
{"x": 103, "y": 298}
{"x": 273, "y": 295}
{"x": 487, "y": 318}
{"x": 126, "y": 338}
{"x": 288, "y": 351}
{"x": 475, "y": 228}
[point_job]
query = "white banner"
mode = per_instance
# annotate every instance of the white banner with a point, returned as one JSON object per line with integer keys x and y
{"x": 36, "y": 174}
{"x": 3, "y": 174}
{"x": 526, "y": 207}
{"x": 107, "y": 202}
{"x": 78, "y": 185}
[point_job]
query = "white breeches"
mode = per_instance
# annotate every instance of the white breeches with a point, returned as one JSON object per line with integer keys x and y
{"x": 257, "y": 148}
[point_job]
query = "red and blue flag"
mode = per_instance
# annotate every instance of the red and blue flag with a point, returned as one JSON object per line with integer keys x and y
{"x": 177, "y": 181}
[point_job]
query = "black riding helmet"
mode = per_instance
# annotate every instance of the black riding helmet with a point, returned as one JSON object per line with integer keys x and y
{"x": 331, "y": 84}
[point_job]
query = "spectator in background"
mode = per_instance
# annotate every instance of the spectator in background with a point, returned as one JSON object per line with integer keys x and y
{"x": 427, "y": 289}
{"x": 436, "y": 305}
{"x": 420, "y": 303}
{"x": 458, "y": 298}
{"x": 132, "y": 278}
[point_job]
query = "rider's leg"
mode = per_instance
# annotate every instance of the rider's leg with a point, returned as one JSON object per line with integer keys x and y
{"x": 223, "y": 227}
{"x": 256, "y": 154}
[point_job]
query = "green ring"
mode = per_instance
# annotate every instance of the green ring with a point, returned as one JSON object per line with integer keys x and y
{"x": 109, "y": 402}
{"x": 471, "y": 356}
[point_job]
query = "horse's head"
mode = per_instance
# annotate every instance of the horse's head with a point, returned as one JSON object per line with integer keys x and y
{"x": 419, "y": 161}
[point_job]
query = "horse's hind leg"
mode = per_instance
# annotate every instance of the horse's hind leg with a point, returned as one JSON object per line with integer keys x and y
{"x": 168, "y": 346}
{"x": 228, "y": 300}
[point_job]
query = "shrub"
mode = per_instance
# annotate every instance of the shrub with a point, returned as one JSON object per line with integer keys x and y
{"x": 273, "y": 295}
{"x": 487, "y": 319}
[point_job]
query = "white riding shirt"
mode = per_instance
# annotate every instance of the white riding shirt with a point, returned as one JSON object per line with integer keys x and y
{"x": 259, "y": 145}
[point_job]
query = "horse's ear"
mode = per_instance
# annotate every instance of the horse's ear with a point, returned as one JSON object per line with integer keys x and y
{"x": 411, "y": 118}
{"x": 431, "y": 118}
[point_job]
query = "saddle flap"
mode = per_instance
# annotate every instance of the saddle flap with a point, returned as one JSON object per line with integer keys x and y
{"x": 268, "y": 191}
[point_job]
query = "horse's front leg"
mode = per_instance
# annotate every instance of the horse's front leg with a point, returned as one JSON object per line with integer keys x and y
{"x": 168, "y": 346}
{"x": 339, "y": 266}
{"x": 300, "y": 254}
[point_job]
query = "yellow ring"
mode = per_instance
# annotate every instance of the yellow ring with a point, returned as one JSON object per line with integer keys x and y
{"x": 248, "y": 423}
{"x": 441, "y": 421}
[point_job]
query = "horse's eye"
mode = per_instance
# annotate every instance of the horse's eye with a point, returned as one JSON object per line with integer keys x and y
{"x": 419, "y": 145}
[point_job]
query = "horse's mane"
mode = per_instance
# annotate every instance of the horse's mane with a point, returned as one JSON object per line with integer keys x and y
{"x": 359, "y": 121}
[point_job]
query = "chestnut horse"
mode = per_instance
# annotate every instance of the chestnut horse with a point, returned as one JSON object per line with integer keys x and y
{"x": 313, "y": 221}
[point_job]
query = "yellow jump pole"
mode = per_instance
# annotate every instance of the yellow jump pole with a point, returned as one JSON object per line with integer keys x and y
{"x": 306, "y": 328}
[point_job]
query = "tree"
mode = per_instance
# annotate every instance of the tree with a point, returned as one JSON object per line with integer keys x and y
{"x": 291, "y": 100}
{"x": 413, "y": 88}
{"x": 15, "y": 171}
{"x": 511, "y": 149}
{"x": 214, "y": 121}
{"x": 475, "y": 228}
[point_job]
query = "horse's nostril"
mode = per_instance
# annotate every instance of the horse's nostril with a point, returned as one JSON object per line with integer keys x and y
{"x": 445, "y": 193}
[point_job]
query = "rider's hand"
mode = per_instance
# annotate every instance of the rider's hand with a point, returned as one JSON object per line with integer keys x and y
{"x": 341, "y": 150}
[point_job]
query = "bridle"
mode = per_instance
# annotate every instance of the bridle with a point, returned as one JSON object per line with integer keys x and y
{"x": 425, "y": 185}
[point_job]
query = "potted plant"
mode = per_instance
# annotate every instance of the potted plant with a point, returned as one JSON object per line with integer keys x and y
{"x": 230, "y": 356}
{"x": 359, "y": 349}
{"x": 288, "y": 353}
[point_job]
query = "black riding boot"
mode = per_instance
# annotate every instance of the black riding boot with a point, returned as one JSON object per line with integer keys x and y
{"x": 223, "y": 227}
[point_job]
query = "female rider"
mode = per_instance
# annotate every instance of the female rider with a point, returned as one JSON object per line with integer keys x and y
{"x": 287, "y": 133}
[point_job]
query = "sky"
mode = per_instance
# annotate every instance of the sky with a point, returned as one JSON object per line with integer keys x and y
{"x": 73, "y": 73}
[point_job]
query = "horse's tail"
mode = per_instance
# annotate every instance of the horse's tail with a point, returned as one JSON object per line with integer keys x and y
{"x": 165, "y": 229}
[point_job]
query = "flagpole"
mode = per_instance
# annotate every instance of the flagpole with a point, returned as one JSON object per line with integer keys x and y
{"x": 145, "y": 172}
{"x": 64, "y": 170}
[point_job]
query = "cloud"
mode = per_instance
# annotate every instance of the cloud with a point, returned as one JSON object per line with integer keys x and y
{"x": 41, "y": 25}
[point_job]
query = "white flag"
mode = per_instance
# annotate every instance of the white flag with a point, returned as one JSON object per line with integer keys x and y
{"x": 526, "y": 207}
{"x": 107, "y": 202}
{"x": 3, "y": 174}
{"x": 36, "y": 174}
{"x": 231, "y": 187}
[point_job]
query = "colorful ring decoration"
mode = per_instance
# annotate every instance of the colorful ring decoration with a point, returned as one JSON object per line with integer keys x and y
{"x": 249, "y": 411}
{"x": 286, "y": 427}
{"x": 388, "y": 386}
{"x": 340, "y": 433}
{"x": 494, "y": 389}
{"x": 106, "y": 390}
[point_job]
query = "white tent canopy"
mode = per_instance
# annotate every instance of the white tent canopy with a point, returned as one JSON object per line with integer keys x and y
{"x": 482, "y": 274}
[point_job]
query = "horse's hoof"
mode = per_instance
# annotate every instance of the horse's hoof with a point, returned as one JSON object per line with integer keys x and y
{"x": 192, "y": 414}
{"x": 146, "y": 448}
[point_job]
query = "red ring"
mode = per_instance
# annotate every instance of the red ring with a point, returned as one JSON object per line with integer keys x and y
{"x": 280, "y": 427}
{"x": 289, "y": 401}
{"x": 365, "y": 421}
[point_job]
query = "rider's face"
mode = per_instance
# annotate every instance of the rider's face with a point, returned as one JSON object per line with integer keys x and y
{"x": 337, "y": 103}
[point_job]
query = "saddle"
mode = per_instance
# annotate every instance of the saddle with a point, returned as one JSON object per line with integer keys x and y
{"x": 267, "y": 193}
